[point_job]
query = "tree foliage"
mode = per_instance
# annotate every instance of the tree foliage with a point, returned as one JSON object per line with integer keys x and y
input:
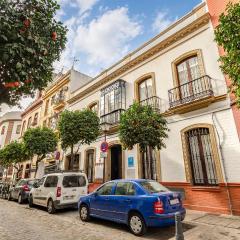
{"x": 227, "y": 35}
{"x": 40, "y": 141}
{"x": 78, "y": 127}
{"x": 14, "y": 154}
{"x": 142, "y": 125}
{"x": 30, "y": 41}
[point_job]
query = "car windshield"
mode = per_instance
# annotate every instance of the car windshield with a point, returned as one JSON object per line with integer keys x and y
{"x": 153, "y": 187}
{"x": 31, "y": 182}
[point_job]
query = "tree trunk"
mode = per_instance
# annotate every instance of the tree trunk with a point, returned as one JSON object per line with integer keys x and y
{"x": 71, "y": 160}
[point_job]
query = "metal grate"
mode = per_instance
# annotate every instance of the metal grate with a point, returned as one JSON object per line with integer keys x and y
{"x": 201, "y": 157}
{"x": 154, "y": 102}
{"x": 149, "y": 166}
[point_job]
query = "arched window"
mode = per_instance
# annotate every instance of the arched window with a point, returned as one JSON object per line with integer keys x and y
{"x": 23, "y": 127}
{"x": 35, "y": 120}
{"x": 89, "y": 164}
{"x": 145, "y": 89}
{"x": 201, "y": 155}
{"x": 94, "y": 107}
{"x": 188, "y": 70}
{"x": 29, "y": 122}
{"x": 3, "y": 130}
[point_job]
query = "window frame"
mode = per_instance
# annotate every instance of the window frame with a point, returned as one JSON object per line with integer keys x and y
{"x": 127, "y": 195}
{"x": 215, "y": 152}
{"x": 184, "y": 56}
{"x": 108, "y": 183}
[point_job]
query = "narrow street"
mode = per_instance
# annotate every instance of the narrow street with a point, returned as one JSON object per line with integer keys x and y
{"x": 22, "y": 223}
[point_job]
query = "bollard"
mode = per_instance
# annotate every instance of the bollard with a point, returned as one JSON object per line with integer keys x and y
{"x": 179, "y": 231}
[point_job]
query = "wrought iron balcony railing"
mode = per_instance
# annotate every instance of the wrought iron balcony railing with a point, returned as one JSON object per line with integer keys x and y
{"x": 112, "y": 117}
{"x": 190, "y": 91}
{"x": 154, "y": 102}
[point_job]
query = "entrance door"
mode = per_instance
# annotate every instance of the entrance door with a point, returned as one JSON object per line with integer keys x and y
{"x": 116, "y": 162}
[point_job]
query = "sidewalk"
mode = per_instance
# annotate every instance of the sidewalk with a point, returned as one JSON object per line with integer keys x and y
{"x": 208, "y": 226}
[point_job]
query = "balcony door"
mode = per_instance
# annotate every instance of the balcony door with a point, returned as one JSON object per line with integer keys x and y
{"x": 188, "y": 70}
{"x": 145, "y": 89}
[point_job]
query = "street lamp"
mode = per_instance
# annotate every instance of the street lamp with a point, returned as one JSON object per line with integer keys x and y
{"x": 105, "y": 126}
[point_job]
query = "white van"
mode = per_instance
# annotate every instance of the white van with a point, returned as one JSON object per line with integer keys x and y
{"x": 59, "y": 190}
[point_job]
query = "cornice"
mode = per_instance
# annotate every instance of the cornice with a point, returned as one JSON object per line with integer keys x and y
{"x": 57, "y": 85}
{"x": 198, "y": 23}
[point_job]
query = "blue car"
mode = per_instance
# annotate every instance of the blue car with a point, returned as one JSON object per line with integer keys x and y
{"x": 139, "y": 203}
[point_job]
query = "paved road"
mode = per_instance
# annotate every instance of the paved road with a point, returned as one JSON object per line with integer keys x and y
{"x": 19, "y": 222}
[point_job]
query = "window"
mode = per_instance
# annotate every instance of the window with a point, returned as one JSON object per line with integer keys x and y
{"x": 51, "y": 181}
{"x": 113, "y": 97}
{"x": 18, "y": 129}
{"x": 3, "y": 130}
{"x": 125, "y": 188}
{"x": 94, "y": 107}
{"x": 23, "y": 127}
{"x": 90, "y": 164}
{"x": 29, "y": 122}
{"x": 41, "y": 181}
{"x": 53, "y": 100}
{"x": 153, "y": 187}
{"x": 106, "y": 189}
{"x": 201, "y": 157}
{"x": 74, "y": 181}
{"x": 145, "y": 89}
{"x": 46, "y": 108}
{"x": 188, "y": 70}
{"x": 35, "y": 120}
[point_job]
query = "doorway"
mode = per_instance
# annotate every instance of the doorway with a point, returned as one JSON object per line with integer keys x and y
{"x": 116, "y": 162}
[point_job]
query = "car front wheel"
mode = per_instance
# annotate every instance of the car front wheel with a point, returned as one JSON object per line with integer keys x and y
{"x": 84, "y": 213}
{"x": 30, "y": 201}
{"x": 137, "y": 224}
{"x": 50, "y": 207}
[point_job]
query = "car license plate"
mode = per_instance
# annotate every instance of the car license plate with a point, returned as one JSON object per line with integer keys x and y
{"x": 174, "y": 201}
{"x": 68, "y": 197}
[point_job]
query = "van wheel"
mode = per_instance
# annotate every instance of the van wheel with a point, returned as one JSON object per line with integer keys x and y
{"x": 50, "y": 207}
{"x": 30, "y": 201}
{"x": 137, "y": 224}
{"x": 20, "y": 199}
{"x": 84, "y": 213}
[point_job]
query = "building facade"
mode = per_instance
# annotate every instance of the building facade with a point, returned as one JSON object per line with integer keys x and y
{"x": 216, "y": 8}
{"x": 55, "y": 98}
{"x": 10, "y": 129}
{"x": 177, "y": 73}
{"x": 30, "y": 119}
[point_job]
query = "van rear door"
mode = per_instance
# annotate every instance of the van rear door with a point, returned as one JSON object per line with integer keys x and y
{"x": 74, "y": 186}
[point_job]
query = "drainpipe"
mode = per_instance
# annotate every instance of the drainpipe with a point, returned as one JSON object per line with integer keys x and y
{"x": 223, "y": 166}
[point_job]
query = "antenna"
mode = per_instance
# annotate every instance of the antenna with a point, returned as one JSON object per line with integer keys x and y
{"x": 74, "y": 61}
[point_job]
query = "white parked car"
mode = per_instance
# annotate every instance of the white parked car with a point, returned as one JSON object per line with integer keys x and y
{"x": 59, "y": 190}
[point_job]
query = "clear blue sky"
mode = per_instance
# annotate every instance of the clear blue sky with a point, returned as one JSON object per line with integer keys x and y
{"x": 103, "y": 31}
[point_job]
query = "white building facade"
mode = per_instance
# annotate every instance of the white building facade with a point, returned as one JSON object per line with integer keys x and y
{"x": 10, "y": 129}
{"x": 177, "y": 73}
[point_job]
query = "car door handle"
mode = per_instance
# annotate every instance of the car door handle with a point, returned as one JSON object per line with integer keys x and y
{"x": 127, "y": 200}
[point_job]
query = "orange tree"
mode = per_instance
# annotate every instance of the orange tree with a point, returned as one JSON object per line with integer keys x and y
{"x": 227, "y": 35}
{"x": 31, "y": 39}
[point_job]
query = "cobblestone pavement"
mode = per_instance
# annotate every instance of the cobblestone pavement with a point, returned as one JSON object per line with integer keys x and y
{"x": 22, "y": 223}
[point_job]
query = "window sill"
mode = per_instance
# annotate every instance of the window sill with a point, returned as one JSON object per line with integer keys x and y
{"x": 206, "y": 189}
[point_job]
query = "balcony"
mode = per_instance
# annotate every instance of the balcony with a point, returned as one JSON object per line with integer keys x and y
{"x": 154, "y": 102}
{"x": 59, "y": 102}
{"x": 113, "y": 117}
{"x": 192, "y": 95}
